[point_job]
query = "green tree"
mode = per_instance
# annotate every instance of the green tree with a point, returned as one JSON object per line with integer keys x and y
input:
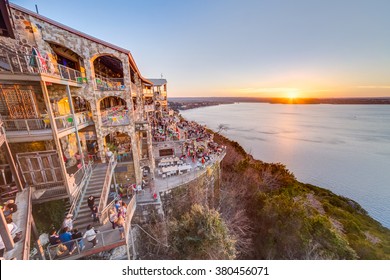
{"x": 201, "y": 234}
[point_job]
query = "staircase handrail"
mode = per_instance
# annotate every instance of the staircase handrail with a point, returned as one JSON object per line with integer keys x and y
{"x": 107, "y": 181}
{"x": 80, "y": 191}
{"x": 103, "y": 216}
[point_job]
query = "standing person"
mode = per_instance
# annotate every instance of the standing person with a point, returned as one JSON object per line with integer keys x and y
{"x": 123, "y": 209}
{"x": 94, "y": 211}
{"x": 68, "y": 222}
{"x": 91, "y": 201}
{"x": 117, "y": 205}
{"x": 66, "y": 238}
{"x": 121, "y": 226}
{"x": 90, "y": 234}
{"x": 113, "y": 217}
{"x": 109, "y": 154}
{"x": 76, "y": 234}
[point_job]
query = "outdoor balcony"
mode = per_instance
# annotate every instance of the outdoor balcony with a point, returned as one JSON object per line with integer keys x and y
{"x": 34, "y": 65}
{"x": 109, "y": 84}
{"x": 40, "y": 129}
{"x": 115, "y": 116}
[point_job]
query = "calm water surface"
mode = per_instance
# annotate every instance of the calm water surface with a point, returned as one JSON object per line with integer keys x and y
{"x": 344, "y": 148}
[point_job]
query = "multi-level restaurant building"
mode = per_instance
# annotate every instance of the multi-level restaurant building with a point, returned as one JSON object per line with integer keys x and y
{"x": 77, "y": 118}
{"x": 68, "y": 99}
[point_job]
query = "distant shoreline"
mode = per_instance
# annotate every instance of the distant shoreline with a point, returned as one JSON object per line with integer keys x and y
{"x": 186, "y": 103}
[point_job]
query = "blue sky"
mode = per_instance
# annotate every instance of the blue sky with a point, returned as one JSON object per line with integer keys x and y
{"x": 306, "y": 48}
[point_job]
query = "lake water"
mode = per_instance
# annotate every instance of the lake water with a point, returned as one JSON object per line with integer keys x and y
{"x": 344, "y": 148}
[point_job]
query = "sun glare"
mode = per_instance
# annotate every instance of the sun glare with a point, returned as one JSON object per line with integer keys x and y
{"x": 292, "y": 94}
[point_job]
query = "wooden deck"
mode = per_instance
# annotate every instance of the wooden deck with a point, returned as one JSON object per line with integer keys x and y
{"x": 107, "y": 239}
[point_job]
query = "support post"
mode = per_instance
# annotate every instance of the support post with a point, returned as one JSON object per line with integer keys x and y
{"x": 69, "y": 94}
{"x": 55, "y": 136}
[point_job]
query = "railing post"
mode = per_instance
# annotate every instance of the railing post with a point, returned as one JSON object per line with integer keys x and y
{"x": 78, "y": 247}
{"x": 10, "y": 63}
{"x": 20, "y": 65}
{"x": 27, "y": 126}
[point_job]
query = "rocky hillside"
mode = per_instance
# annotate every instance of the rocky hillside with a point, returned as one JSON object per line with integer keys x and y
{"x": 273, "y": 216}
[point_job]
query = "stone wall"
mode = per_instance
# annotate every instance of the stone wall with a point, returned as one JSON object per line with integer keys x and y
{"x": 31, "y": 31}
{"x": 204, "y": 190}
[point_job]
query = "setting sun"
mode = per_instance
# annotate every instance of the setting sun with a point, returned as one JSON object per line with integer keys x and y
{"x": 292, "y": 94}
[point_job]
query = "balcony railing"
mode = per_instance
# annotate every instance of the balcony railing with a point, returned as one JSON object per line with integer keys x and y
{"x": 104, "y": 83}
{"x": 26, "y": 124}
{"x": 115, "y": 116}
{"x": 106, "y": 240}
{"x": 148, "y": 92}
{"x": 62, "y": 122}
{"x": 2, "y": 135}
{"x": 107, "y": 182}
{"x": 34, "y": 64}
{"x": 149, "y": 108}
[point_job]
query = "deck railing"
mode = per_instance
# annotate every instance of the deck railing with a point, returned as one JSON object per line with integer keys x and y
{"x": 2, "y": 133}
{"x": 114, "y": 116}
{"x": 104, "y": 238}
{"x": 26, "y": 124}
{"x": 106, "y": 185}
{"x": 34, "y": 64}
{"x": 62, "y": 122}
{"x": 105, "y": 83}
{"x": 149, "y": 108}
{"x": 129, "y": 215}
{"x": 104, "y": 215}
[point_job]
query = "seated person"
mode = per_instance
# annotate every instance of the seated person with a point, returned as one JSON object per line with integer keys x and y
{"x": 54, "y": 238}
{"x": 9, "y": 208}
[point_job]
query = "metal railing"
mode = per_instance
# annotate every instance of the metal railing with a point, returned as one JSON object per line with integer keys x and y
{"x": 83, "y": 117}
{"x": 105, "y": 83}
{"x": 104, "y": 238}
{"x": 121, "y": 118}
{"x": 62, "y": 122}
{"x": 148, "y": 92}
{"x": 178, "y": 180}
{"x": 26, "y": 124}
{"x": 104, "y": 215}
{"x": 129, "y": 214}
{"x": 149, "y": 108}
{"x": 78, "y": 195}
{"x": 106, "y": 185}
{"x": 68, "y": 121}
{"x": 2, "y": 134}
{"x": 34, "y": 64}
